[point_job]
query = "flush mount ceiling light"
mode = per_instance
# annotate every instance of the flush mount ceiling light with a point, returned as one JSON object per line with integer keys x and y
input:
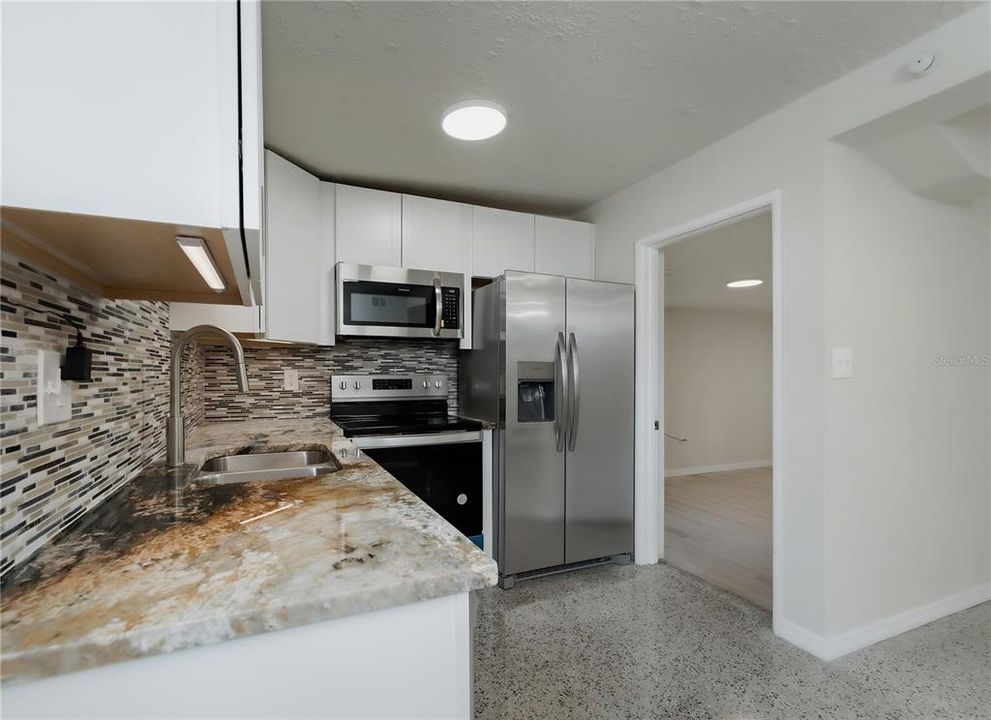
{"x": 199, "y": 254}
{"x": 744, "y": 283}
{"x": 474, "y": 120}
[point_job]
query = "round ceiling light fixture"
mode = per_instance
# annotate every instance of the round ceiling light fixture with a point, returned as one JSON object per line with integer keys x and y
{"x": 474, "y": 120}
{"x": 753, "y": 282}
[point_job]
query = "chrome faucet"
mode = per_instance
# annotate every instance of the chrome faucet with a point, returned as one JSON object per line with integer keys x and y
{"x": 175, "y": 431}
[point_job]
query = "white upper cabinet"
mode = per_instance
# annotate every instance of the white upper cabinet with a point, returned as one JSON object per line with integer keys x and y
{"x": 296, "y": 258}
{"x": 369, "y": 226}
{"x": 131, "y": 111}
{"x": 503, "y": 240}
{"x": 236, "y": 318}
{"x": 436, "y": 235}
{"x": 564, "y": 247}
{"x": 252, "y": 160}
{"x": 103, "y": 114}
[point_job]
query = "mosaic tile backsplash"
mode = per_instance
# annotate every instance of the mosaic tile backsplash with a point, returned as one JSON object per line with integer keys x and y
{"x": 51, "y": 475}
{"x": 267, "y": 398}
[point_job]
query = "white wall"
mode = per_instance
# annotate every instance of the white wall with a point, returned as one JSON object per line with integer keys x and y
{"x": 717, "y": 379}
{"x": 787, "y": 150}
{"x": 906, "y": 437}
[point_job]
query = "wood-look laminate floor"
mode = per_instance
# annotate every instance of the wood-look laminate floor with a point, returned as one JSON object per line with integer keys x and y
{"x": 718, "y": 526}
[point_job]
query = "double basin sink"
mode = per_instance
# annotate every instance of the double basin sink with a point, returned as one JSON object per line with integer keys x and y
{"x": 250, "y": 467}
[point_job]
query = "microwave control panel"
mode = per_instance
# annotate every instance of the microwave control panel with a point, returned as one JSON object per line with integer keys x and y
{"x": 450, "y": 318}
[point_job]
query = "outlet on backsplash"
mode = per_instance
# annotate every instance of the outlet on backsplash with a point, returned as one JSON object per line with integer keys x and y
{"x": 290, "y": 379}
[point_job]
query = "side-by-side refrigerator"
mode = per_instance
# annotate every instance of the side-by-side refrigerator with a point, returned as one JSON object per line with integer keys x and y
{"x": 552, "y": 367}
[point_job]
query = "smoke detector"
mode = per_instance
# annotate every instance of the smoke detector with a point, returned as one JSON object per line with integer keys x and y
{"x": 922, "y": 64}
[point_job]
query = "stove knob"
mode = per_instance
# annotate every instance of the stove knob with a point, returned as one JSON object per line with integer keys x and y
{"x": 425, "y": 384}
{"x": 437, "y": 384}
{"x": 357, "y": 385}
{"x": 342, "y": 385}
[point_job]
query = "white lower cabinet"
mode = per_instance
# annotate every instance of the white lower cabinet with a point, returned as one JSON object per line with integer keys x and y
{"x": 502, "y": 240}
{"x": 564, "y": 247}
{"x": 335, "y": 668}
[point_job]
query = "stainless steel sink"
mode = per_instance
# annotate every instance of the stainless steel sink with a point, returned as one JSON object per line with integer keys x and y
{"x": 251, "y": 467}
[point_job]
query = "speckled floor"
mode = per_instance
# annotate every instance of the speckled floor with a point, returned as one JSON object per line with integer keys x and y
{"x": 654, "y": 642}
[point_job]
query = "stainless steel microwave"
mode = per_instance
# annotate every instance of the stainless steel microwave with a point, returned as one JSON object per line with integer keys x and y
{"x": 396, "y": 302}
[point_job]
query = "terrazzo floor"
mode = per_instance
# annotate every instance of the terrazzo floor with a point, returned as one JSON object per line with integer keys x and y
{"x": 655, "y": 642}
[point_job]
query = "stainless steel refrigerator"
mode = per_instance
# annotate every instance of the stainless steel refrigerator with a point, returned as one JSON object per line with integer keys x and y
{"x": 552, "y": 367}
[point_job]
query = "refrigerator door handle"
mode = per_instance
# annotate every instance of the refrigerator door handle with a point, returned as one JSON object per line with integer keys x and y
{"x": 574, "y": 394}
{"x": 561, "y": 381}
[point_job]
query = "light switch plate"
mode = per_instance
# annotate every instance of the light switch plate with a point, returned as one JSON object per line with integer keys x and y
{"x": 54, "y": 396}
{"x": 290, "y": 380}
{"x": 842, "y": 363}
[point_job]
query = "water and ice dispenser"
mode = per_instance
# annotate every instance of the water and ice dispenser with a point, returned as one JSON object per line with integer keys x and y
{"x": 535, "y": 392}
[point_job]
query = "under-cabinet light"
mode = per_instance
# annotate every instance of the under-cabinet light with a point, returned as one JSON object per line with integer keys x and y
{"x": 199, "y": 254}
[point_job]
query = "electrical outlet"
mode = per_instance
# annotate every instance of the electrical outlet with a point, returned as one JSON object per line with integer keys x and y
{"x": 54, "y": 397}
{"x": 290, "y": 379}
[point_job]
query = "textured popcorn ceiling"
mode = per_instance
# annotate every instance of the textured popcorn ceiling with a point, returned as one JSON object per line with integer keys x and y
{"x": 599, "y": 95}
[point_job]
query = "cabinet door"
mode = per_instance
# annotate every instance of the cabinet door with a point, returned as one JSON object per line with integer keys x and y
{"x": 502, "y": 240}
{"x": 236, "y": 318}
{"x": 293, "y": 248}
{"x": 251, "y": 195}
{"x": 436, "y": 235}
{"x": 147, "y": 124}
{"x": 564, "y": 247}
{"x": 328, "y": 256}
{"x": 369, "y": 226}
{"x": 153, "y": 133}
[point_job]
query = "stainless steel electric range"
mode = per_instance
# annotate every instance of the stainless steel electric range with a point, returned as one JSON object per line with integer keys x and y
{"x": 402, "y": 423}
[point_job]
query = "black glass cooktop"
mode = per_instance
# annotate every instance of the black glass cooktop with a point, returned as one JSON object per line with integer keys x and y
{"x": 398, "y": 418}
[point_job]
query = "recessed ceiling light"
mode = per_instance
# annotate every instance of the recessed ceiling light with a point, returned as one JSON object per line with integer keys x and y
{"x": 474, "y": 120}
{"x": 199, "y": 254}
{"x": 744, "y": 283}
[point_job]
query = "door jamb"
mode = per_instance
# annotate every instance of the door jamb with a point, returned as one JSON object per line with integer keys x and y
{"x": 649, "y": 463}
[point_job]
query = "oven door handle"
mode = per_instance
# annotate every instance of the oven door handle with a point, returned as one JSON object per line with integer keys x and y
{"x": 438, "y": 306}
{"x": 395, "y": 441}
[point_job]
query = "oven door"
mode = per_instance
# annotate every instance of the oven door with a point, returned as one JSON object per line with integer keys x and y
{"x": 395, "y": 302}
{"x": 443, "y": 470}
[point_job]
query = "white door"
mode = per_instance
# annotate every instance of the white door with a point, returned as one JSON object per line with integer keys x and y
{"x": 369, "y": 226}
{"x": 436, "y": 235}
{"x": 502, "y": 240}
{"x": 564, "y": 247}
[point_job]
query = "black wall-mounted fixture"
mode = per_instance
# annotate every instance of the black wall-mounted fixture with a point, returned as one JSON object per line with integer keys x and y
{"x": 78, "y": 365}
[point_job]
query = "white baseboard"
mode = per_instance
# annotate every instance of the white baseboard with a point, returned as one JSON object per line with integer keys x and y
{"x": 749, "y": 465}
{"x": 830, "y": 648}
{"x": 802, "y": 638}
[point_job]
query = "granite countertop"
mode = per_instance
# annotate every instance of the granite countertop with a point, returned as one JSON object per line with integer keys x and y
{"x": 167, "y": 563}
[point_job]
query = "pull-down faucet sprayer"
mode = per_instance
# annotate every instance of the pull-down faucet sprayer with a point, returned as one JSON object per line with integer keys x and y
{"x": 176, "y": 428}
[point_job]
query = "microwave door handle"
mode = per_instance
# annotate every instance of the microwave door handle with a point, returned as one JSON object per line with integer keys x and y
{"x": 438, "y": 307}
{"x": 575, "y": 391}
{"x": 561, "y": 383}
